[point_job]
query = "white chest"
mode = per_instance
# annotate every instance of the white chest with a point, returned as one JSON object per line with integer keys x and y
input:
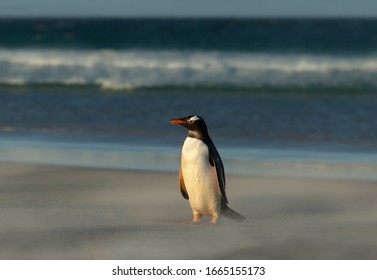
{"x": 194, "y": 152}
{"x": 200, "y": 177}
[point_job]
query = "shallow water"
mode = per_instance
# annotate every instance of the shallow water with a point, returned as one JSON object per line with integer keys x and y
{"x": 144, "y": 154}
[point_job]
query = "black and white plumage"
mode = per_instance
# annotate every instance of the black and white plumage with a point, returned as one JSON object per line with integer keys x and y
{"x": 201, "y": 176}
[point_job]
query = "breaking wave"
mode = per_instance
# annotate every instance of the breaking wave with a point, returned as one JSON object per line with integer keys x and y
{"x": 133, "y": 69}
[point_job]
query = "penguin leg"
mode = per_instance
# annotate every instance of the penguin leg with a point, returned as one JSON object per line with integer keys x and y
{"x": 196, "y": 219}
{"x": 215, "y": 219}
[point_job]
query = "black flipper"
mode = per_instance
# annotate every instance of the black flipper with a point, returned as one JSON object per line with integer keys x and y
{"x": 182, "y": 185}
{"x": 215, "y": 158}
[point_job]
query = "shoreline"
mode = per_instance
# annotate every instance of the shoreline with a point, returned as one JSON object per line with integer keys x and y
{"x": 141, "y": 154}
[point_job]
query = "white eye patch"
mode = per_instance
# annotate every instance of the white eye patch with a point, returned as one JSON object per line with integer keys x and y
{"x": 194, "y": 118}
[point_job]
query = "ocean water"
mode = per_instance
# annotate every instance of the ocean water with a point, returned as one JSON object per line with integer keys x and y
{"x": 275, "y": 84}
{"x": 211, "y": 54}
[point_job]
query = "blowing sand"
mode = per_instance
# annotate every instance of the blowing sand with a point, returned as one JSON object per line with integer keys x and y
{"x": 75, "y": 213}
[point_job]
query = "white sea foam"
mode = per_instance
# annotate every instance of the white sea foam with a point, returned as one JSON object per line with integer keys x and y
{"x": 132, "y": 69}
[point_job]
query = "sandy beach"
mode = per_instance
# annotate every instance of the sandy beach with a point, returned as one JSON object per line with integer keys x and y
{"x": 54, "y": 212}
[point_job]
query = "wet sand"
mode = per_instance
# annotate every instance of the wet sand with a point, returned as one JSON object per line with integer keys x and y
{"x": 52, "y": 212}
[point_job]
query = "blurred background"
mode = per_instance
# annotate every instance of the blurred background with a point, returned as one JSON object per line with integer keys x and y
{"x": 287, "y": 81}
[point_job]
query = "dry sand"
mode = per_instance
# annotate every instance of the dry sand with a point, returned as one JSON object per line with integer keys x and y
{"x": 75, "y": 213}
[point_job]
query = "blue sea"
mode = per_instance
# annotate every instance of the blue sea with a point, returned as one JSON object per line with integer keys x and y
{"x": 271, "y": 90}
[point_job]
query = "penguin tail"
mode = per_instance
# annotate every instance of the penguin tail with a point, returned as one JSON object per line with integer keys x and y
{"x": 230, "y": 213}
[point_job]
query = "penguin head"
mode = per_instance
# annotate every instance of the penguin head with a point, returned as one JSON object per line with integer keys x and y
{"x": 195, "y": 124}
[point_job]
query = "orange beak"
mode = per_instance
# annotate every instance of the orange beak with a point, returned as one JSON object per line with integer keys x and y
{"x": 177, "y": 121}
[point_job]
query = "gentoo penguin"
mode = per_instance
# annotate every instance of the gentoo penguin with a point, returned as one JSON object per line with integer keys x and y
{"x": 201, "y": 176}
